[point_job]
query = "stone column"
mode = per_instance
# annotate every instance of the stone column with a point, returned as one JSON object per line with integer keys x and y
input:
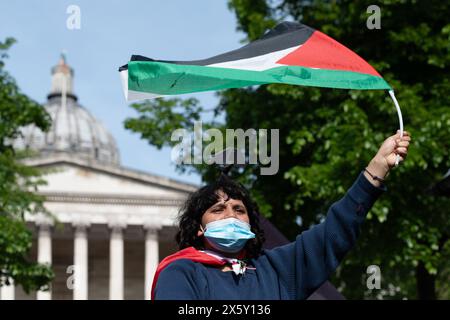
{"x": 44, "y": 252}
{"x": 116, "y": 264}
{"x": 151, "y": 256}
{"x": 7, "y": 292}
{"x": 80, "y": 261}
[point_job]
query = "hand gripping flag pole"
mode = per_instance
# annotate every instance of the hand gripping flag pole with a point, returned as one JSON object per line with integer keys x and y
{"x": 400, "y": 120}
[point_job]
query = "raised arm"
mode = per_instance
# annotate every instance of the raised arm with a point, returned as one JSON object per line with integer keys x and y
{"x": 305, "y": 264}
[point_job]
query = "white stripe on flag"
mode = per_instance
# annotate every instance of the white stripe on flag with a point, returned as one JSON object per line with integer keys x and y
{"x": 258, "y": 63}
{"x": 138, "y": 95}
{"x": 124, "y": 80}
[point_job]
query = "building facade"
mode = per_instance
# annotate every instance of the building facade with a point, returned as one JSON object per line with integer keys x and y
{"x": 110, "y": 225}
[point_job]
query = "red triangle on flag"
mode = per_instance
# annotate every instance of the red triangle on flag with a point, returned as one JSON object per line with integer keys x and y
{"x": 322, "y": 52}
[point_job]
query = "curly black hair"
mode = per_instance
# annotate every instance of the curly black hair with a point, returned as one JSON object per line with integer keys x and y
{"x": 191, "y": 213}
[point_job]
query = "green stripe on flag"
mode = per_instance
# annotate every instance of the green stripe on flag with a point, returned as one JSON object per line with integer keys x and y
{"x": 170, "y": 79}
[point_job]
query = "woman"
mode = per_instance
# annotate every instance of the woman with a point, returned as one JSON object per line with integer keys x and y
{"x": 221, "y": 254}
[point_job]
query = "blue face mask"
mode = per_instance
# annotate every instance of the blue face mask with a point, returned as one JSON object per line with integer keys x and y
{"x": 228, "y": 235}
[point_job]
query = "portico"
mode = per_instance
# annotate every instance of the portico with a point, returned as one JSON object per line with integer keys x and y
{"x": 109, "y": 225}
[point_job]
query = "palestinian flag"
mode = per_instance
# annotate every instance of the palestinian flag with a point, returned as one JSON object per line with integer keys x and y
{"x": 291, "y": 53}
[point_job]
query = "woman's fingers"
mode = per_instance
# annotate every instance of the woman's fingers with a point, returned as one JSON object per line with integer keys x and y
{"x": 402, "y": 143}
{"x": 405, "y": 133}
{"x": 405, "y": 138}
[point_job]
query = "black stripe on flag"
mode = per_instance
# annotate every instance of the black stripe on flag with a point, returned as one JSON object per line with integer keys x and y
{"x": 285, "y": 35}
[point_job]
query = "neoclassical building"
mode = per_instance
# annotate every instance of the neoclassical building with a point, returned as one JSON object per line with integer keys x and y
{"x": 112, "y": 224}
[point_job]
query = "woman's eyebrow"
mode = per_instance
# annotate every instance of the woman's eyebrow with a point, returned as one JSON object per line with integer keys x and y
{"x": 217, "y": 206}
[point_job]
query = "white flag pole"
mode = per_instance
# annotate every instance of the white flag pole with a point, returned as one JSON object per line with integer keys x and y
{"x": 400, "y": 119}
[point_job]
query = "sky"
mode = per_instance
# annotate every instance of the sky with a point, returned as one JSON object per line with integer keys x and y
{"x": 110, "y": 32}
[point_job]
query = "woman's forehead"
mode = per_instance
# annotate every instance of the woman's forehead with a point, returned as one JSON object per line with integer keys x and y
{"x": 223, "y": 198}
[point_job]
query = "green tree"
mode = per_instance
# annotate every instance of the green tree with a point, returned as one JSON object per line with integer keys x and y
{"x": 327, "y": 136}
{"x": 17, "y": 183}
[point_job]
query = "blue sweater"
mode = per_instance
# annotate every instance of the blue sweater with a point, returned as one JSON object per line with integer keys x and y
{"x": 291, "y": 271}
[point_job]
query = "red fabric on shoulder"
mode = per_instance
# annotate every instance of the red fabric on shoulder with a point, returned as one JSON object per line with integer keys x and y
{"x": 188, "y": 253}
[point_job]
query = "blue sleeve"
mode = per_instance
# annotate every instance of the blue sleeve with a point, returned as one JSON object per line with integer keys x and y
{"x": 178, "y": 281}
{"x": 305, "y": 264}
